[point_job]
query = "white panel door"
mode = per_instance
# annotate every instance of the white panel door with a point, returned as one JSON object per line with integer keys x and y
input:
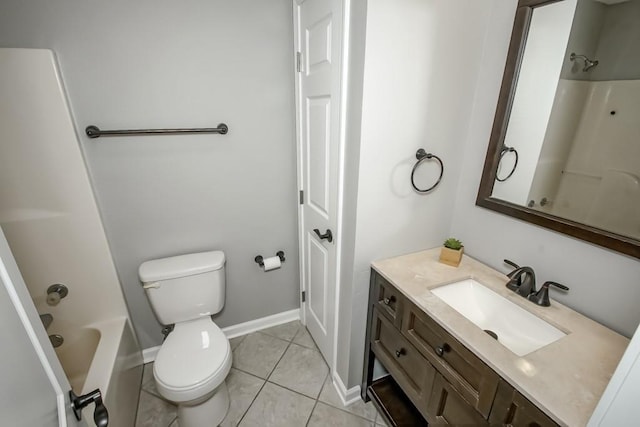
{"x": 34, "y": 390}
{"x": 318, "y": 41}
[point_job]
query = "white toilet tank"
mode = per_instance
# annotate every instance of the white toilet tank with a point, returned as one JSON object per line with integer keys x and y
{"x": 184, "y": 287}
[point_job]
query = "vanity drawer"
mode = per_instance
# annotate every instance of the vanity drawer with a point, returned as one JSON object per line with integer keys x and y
{"x": 447, "y": 406}
{"x": 472, "y": 379}
{"x": 410, "y": 370}
{"x": 513, "y": 409}
{"x": 387, "y": 299}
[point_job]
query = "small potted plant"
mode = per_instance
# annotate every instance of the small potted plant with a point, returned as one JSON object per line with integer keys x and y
{"x": 451, "y": 252}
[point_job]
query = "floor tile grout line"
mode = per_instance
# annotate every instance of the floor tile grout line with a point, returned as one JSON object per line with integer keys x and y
{"x": 251, "y": 404}
{"x": 248, "y": 373}
{"x": 311, "y": 413}
{"x": 291, "y": 390}
{"x": 263, "y": 384}
{"x": 279, "y": 360}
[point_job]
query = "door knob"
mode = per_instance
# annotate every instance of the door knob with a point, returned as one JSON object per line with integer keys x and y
{"x": 327, "y": 235}
{"x": 100, "y": 414}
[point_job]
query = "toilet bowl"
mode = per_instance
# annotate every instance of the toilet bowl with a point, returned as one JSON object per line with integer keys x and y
{"x": 195, "y": 358}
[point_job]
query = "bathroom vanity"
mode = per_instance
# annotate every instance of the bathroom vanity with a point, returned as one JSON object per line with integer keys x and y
{"x": 444, "y": 369}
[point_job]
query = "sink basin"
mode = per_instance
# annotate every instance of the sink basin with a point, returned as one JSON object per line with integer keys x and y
{"x": 515, "y": 328}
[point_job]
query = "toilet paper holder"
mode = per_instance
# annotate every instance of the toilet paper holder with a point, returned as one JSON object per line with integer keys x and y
{"x": 260, "y": 259}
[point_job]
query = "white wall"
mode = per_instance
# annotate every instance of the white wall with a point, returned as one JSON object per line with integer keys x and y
{"x": 183, "y": 64}
{"x": 537, "y": 82}
{"x": 604, "y": 284}
{"x": 619, "y": 402}
{"x": 571, "y": 96}
{"x": 416, "y": 94}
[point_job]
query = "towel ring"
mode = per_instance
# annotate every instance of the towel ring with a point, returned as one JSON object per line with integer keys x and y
{"x": 504, "y": 151}
{"x": 422, "y": 155}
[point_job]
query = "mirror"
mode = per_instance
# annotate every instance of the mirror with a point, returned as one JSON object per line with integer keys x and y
{"x": 564, "y": 151}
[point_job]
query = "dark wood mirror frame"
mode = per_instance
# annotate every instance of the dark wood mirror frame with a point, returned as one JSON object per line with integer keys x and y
{"x": 616, "y": 242}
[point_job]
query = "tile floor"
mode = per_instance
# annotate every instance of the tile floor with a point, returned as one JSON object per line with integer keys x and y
{"x": 278, "y": 378}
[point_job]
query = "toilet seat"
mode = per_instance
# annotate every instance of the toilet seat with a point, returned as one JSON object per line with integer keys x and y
{"x": 193, "y": 361}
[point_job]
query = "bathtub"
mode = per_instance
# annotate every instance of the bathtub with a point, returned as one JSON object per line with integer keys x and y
{"x": 104, "y": 355}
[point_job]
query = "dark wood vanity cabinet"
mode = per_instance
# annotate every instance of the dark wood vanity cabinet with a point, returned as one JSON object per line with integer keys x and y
{"x": 410, "y": 370}
{"x": 388, "y": 300}
{"x": 512, "y": 408}
{"x": 469, "y": 376}
{"x": 439, "y": 377}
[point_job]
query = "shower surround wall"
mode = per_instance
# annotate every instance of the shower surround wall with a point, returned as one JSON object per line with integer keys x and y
{"x": 183, "y": 64}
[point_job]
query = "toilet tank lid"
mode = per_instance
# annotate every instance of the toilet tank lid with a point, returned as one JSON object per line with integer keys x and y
{"x": 180, "y": 266}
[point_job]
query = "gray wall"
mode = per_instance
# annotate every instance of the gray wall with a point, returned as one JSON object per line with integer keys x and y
{"x": 604, "y": 284}
{"x": 618, "y": 45}
{"x": 170, "y": 64}
{"x": 608, "y": 33}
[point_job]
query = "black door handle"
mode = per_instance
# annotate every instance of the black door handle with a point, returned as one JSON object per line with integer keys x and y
{"x": 100, "y": 414}
{"x": 327, "y": 235}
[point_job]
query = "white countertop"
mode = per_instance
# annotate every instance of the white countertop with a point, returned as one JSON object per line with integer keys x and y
{"x": 565, "y": 378}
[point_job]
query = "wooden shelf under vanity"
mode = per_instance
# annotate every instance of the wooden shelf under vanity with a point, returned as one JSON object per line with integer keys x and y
{"x": 391, "y": 402}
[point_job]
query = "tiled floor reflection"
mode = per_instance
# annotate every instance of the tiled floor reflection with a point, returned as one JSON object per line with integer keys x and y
{"x": 278, "y": 378}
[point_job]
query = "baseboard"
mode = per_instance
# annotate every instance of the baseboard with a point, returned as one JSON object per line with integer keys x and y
{"x": 149, "y": 354}
{"x": 348, "y": 397}
{"x": 262, "y": 323}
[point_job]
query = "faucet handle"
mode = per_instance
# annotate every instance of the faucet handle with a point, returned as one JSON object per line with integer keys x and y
{"x": 512, "y": 264}
{"x": 557, "y": 285}
{"x": 542, "y": 296}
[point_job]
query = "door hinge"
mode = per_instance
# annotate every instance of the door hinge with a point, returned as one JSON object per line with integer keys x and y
{"x": 298, "y": 61}
{"x": 304, "y": 296}
{"x": 301, "y": 197}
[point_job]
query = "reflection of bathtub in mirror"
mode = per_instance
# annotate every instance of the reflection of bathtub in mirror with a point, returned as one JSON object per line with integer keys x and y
{"x": 593, "y": 179}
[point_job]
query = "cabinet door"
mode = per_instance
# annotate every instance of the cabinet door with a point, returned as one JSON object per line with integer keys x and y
{"x": 512, "y": 408}
{"x": 465, "y": 371}
{"x": 405, "y": 364}
{"x": 447, "y": 406}
{"x": 387, "y": 299}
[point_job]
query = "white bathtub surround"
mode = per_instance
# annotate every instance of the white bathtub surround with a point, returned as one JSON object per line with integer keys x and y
{"x": 116, "y": 368}
{"x": 149, "y": 354}
{"x": 51, "y": 221}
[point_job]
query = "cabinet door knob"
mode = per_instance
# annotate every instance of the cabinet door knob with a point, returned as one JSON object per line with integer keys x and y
{"x": 389, "y": 300}
{"x": 401, "y": 352}
{"x": 440, "y": 351}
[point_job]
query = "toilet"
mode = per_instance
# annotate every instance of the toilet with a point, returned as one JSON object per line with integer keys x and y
{"x": 195, "y": 358}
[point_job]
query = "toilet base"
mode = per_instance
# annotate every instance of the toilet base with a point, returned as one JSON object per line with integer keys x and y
{"x": 205, "y": 412}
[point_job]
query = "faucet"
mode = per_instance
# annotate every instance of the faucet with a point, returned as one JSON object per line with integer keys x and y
{"x": 522, "y": 280}
{"x": 542, "y": 296}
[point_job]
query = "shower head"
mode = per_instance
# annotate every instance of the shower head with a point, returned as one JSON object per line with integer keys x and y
{"x": 588, "y": 64}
